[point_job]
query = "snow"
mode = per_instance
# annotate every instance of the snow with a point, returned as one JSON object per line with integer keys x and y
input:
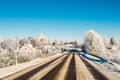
{"x": 106, "y": 65}
{"x": 16, "y": 68}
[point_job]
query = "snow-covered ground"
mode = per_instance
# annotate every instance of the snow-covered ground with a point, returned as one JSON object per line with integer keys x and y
{"x": 104, "y": 65}
{"x": 16, "y": 68}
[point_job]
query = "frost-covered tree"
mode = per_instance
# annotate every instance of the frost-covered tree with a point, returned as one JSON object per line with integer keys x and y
{"x": 32, "y": 40}
{"x": 42, "y": 39}
{"x": 9, "y": 44}
{"x": 3, "y": 45}
{"x": 24, "y": 41}
{"x": 75, "y": 44}
{"x": 106, "y": 42}
{"x": 114, "y": 44}
{"x": 93, "y": 43}
{"x": 113, "y": 41}
{"x": 47, "y": 41}
{"x": 12, "y": 44}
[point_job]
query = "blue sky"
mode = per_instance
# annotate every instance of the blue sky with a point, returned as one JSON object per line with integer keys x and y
{"x": 59, "y": 19}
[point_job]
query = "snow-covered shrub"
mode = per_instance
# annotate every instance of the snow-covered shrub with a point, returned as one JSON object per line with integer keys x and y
{"x": 23, "y": 58}
{"x": 7, "y": 58}
{"x": 25, "y": 55}
{"x": 93, "y": 43}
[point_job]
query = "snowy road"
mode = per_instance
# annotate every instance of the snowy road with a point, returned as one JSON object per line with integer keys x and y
{"x": 68, "y": 66}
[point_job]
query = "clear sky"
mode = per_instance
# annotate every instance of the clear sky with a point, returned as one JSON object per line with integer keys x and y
{"x": 59, "y": 19}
